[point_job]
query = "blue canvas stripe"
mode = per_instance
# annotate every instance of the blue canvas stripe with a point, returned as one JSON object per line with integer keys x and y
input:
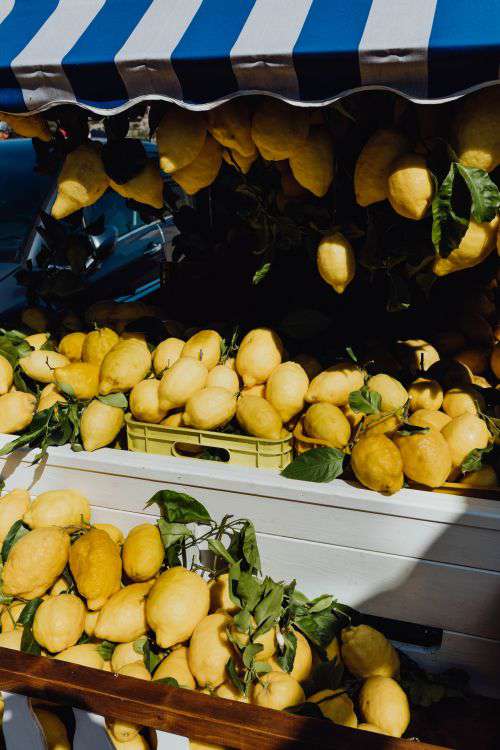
{"x": 326, "y": 52}
{"x": 16, "y": 31}
{"x": 90, "y": 66}
{"x": 202, "y": 60}
{"x": 464, "y": 48}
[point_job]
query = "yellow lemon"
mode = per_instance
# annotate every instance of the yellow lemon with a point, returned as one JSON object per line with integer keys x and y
{"x": 146, "y": 187}
{"x": 204, "y": 346}
{"x": 258, "y": 417}
{"x": 354, "y": 374}
{"x": 336, "y": 706}
{"x": 464, "y": 400}
{"x": 10, "y": 616}
{"x": 6, "y": 375}
{"x": 393, "y": 394}
{"x": 327, "y": 422}
{"x": 384, "y": 703}
{"x": 176, "y": 665}
{"x": 260, "y": 352}
{"x": 50, "y": 397}
{"x": 97, "y": 344}
{"x": 219, "y": 595}
{"x": 370, "y": 728}
{"x": 82, "y": 180}
{"x": 125, "y": 653}
{"x": 210, "y": 649}
{"x": 71, "y": 345}
{"x": 420, "y": 354}
{"x": 143, "y": 552}
{"x": 331, "y": 387}
{"x": 210, "y": 408}
{"x": 13, "y": 506}
{"x": 82, "y": 379}
{"x": 303, "y": 661}
{"x": 180, "y": 382}
{"x": 336, "y": 261}
{"x": 84, "y": 654}
{"x": 377, "y": 464}
{"x": 464, "y": 434}
{"x": 145, "y": 403}
{"x": 277, "y": 690}
{"x": 239, "y": 162}
{"x": 38, "y": 340}
{"x": 65, "y": 508}
{"x": 367, "y": 652}
{"x": 12, "y": 639}
{"x": 201, "y": 172}
{"x": 230, "y": 692}
{"x": 286, "y": 389}
{"x": 425, "y": 394}
{"x": 223, "y": 377}
{"x": 410, "y": 186}
{"x": 278, "y": 129}
{"x": 124, "y": 366}
{"x": 373, "y": 166}
{"x": 267, "y": 640}
{"x": 178, "y": 601}
{"x": 123, "y": 617}
{"x": 100, "y": 424}
{"x": 426, "y": 457}
{"x": 54, "y": 730}
{"x": 486, "y": 476}
{"x": 312, "y": 163}
{"x": 61, "y": 586}
{"x": 40, "y": 365}
{"x": 125, "y": 731}
{"x": 59, "y": 622}
{"x": 429, "y": 418}
{"x": 90, "y": 622}
{"x": 35, "y": 562}
{"x": 135, "y": 669}
{"x": 16, "y": 411}
{"x": 166, "y": 354}
{"x": 96, "y": 566}
{"x": 476, "y": 244}
{"x": 381, "y": 424}
{"x": 180, "y": 137}
{"x": 33, "y": 126}
{"x": 477, "y": 128}
{"x": 231, "y": 126}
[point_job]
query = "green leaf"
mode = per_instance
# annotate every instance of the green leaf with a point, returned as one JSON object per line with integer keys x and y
{"x": 287, "y": 658}
{"x": 411, "y": 429}
{"x": 28, "y": 612}
{"x": 28, "y": 643}
{"x": 319, "y": 627}
{"x": 351, "y": 354}
{"x": 118, "y": 400}
{"x": 106, "y": 649}
{"x": 250, "y": 547}
{"x": 447, "y": 227}
{"x": 365, "y": 401}
{"x": 179, "y": 507}
{"x": 311, "y": 710}
{"x": 171, "y": 533}
{"x": 243, "y": 621}
{"x": 248, "y": 590}
{"x": 14, "y": 534}
{"x": 234, "y": 677}
{"x": 250, "y": 652}
{"x": 234, "y": 577}
{"x": 216, "y": 546}
{"x": 170, "y": 681}
{"x": 474, "y": 459}
{"x": 321, "y": 603}
{"x": 139, "y": 645}
{"x": 316, "y": 465}
{"x": 261, "y": 273}
{"x": 261, "y": 667}
{"x": 484, "y": 193}
{"x": 269, "y": 606}
{"x": 305, "y": 323}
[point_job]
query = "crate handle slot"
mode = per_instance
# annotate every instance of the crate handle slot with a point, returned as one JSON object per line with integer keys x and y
{"x": 191, "y": 450}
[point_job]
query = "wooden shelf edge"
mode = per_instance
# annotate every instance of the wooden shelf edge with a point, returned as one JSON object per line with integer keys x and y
{"x": 183, "y": 712}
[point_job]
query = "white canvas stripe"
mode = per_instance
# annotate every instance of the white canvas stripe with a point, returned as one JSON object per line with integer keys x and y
{"x": 45, "y": 81}
{"x": 5, "y": 8}
{"x": 262, "y": 56}
{"x": 394, "y": 46}
{"x": 144, "y": 60}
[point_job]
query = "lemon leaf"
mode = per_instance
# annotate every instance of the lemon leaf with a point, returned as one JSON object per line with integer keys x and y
{"x": 447, "y": 227}
{"x": 28, "y": 612}
{"x": 119, "y": 400}
{"x": 179, "y": 507}
{"x": 14, "y": 534}
{"x": 28, "y": 643}
{"x": 216, "y": 546}
{"x": 474, "y": 459}
{"x": 106, "y": 649}
{"x": 261, "y": 273}
{"x": 411, "y": 429}
{"x": 250, "y": 547}
{"x": 234, "y": 677}
{"x": 287, "y": 658}
{"x": 269, "y": 606}
{"x": 365, "y": 401}
{"x": 316, "y": 465}
{"x": 485, "y": 195}
{"x": 170, "y": 681}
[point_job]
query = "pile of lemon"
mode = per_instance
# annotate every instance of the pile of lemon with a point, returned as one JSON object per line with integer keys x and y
{"x": 97, "y": 585}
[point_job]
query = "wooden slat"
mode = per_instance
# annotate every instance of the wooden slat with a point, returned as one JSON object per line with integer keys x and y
{"x": 183, "y": 712}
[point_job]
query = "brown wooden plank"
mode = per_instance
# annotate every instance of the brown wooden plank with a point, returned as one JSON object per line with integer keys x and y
{"x": 183, "y": 712}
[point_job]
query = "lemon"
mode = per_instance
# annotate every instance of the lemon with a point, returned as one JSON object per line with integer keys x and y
{"x": 255, "y": 390}
{"x": 10, "y": 616}
{"x": 144, "y": 402}
{"x": 383, "y": 703}
{"x": 277, "y": 690}
{"x": 477, "y": 128}
{"x": 38, "y": 340}
{"x": 484, "y": 477}
{"x": 142, "y": 552}
{"x": 476, "y": 244}
{"x": 370, "y": 728}
{"x": 464, "y": 434}
{"x": 426, "y": 457}
{"x": 353, "y": 417}
{"x": 278, "y": 130}
{"x": 381, "y": 424}
{"x": 59, "y": 622}
{"x": 71, "y": 345}
{"x": 475, "y": 358}
{"x": 331, "y": 386}
{"x": 237, "y": 161}
{"x": 16, "y": 411}
{"x": 54, "y": 729}
{"x": 180, "y": 382}
{"x": 136, "y": 336}
{"x": 425, "y": 394}
{"x": 420, "y": 354}
{"x": 100, "y": 424}
{"x": 377, "y": 464}
{"x": 65, "y": 508}
{"x": 146, "y": 187}
{"x": 260, "y": 352}
{"x": 267, "y": 640}
{"x": 13, "y": 506}
{"x": 429, "y": 418}
{"x": 176, "y": 665}
{"x": 257, "y": 417}
{"x": 84, "y": 654}
{"x": 210, "y": 650}
{"x": 480, "y": 381}
{"x": 393, "y": 394}
{"x": 6, "y": 375}
{"x": 222, "y": 376}
{"x": 210, "y": 408}
{"x": 124, "y": 366}
{"x": 90, "y": 622}
{"x": 286, "y": 389}
{"x": 354, "y": 374}
{"x": 326, "y": 422}
{"x": 180, "y": 137}
{"x": 204, "y": 346}
{"x": 35, "y": 562}
{"x": 336, "y": 706}
{"x": 123, "y": 616}
{"x": 97, "y": 344}
{"x": 82, "y": 379}
{"x": 333, "y": 650}
{"x": 201, "y": 172}
{"x": 312, "y": 163}
{"x": 40, "y": 365}
{"x": 230, "y": 692}
{"x": 96, "y": 566}
{"x": 302, "y": 663}
{"x": 177, "y": 602}
{"x": 336, "y": 261}
{"x": 135, "y": 669}
{"x": 410, "y": 186}
{"x": 463, "y": 400}
{"x": 367, "y": 652}
{"x": 124, "y": 654}
{"x": 219, "y": 595}
{"x": 113, "y": 531}
{"x": 166, "y": 354}
{"x": 61, "y": 586}
{"x": 82, "y": 180}
{"x": 33, "y": 126}
{"x": 231, "y": 126}
{"x": 495, "y": 361}
{"x": 311, "y": 365}
{"x": 136, "y": 743}
{"x": 49, "y": 398}
{"x": 174, "y": 420}
{"x": 11, "y": 639}
{"x": 373, "y": 166}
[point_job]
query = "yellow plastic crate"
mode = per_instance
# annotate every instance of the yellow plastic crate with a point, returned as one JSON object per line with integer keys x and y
{"x": 241, "y": 450}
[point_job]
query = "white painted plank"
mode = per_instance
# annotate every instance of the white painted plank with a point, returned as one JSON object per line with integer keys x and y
{"x": 90, "y": 732}
{"x": 20, "y": 727}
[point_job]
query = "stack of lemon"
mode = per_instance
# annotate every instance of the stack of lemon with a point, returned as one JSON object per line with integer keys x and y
{"x": 96, "y": 585}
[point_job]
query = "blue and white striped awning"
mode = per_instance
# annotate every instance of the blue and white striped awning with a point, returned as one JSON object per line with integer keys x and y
{"x": 108, "y": 54}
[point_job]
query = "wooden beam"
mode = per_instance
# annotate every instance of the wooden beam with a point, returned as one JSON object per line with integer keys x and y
{"x": 183, "y": 712}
